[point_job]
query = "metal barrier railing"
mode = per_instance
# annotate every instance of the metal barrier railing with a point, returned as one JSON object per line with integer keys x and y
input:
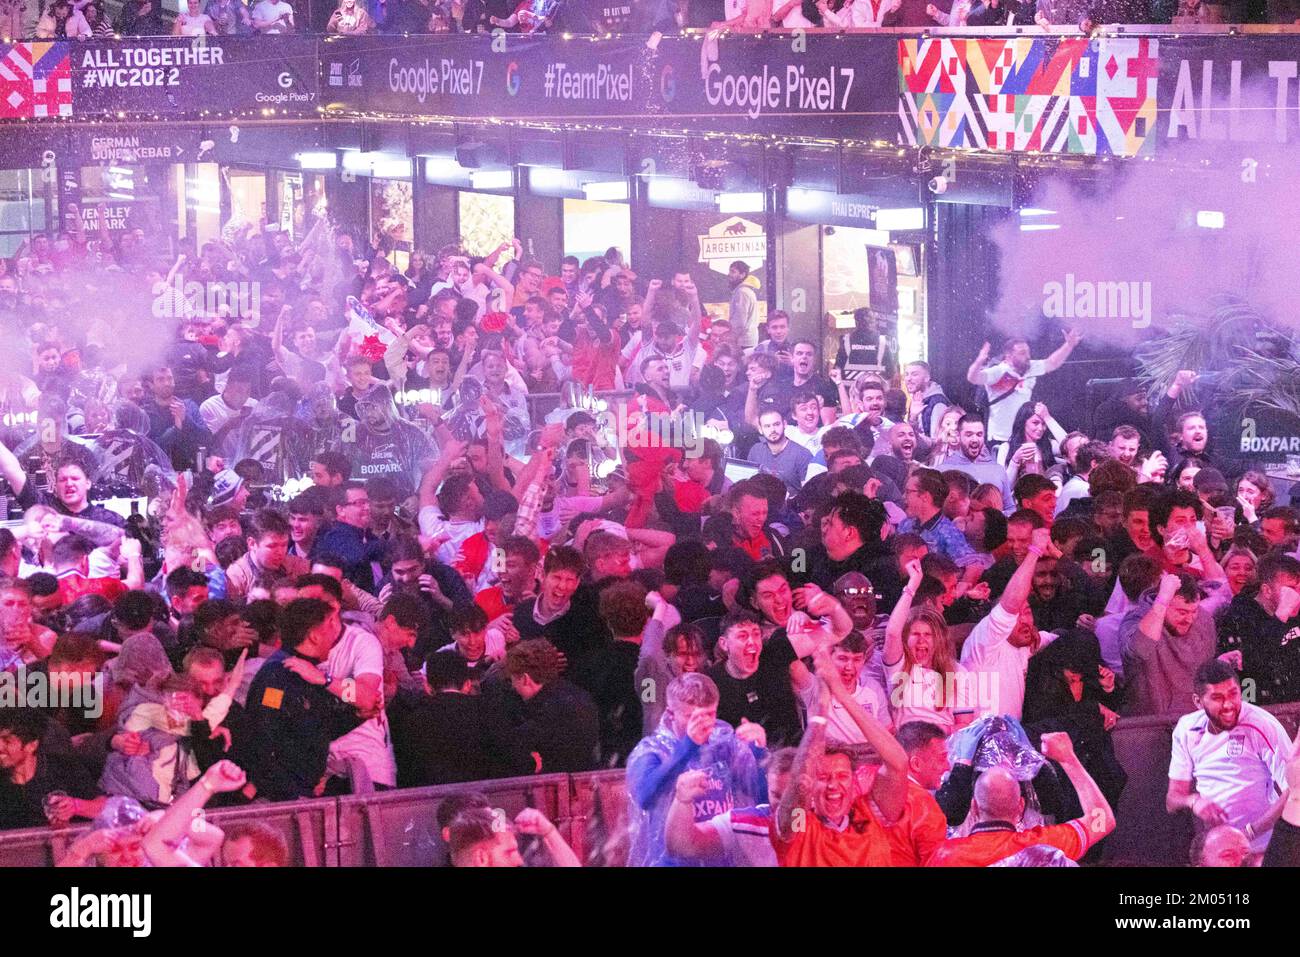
{"x": 399, "y": 828}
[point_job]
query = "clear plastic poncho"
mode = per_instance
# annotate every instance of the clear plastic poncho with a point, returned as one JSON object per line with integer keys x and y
{"x": 386, "y": 444}
{"x": 275, "y": 438}
{"x": 125, "y": 453}
{"x": 1004, "y": 744}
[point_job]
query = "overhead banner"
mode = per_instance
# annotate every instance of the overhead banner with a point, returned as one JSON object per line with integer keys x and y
{"x": 1124, "y": 96}
{"x": 815, "y": 87}
{"x": 1043, "y": 94}
{"x": 169, "y": 76}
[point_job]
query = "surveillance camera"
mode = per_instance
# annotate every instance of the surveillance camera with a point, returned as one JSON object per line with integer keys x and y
{"x": 939, "y": 185}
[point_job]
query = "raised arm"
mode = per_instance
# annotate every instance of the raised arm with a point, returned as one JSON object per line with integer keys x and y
{"x": 1016, "y": 593}
{"x": 1098, "y": 818}
{"x": 974, "y": 374}
{"x": 796, "y": 802}
{"x": 893, "y": 652}
{"x": 682, "y": 836}
{"x": 820, "y": 604}
{"x": 99, "y": 534}
{"x": 1057, "y": 358}
{"x": 184, "y": 820}
{"x": 890, "y": 789}
{"x": 534, "y": 822}
{"x": 12, "y": 470}
{"x": 494, "y": 432}
{"x": 1152, "y": 624}
{"x": 1210, "y": 566}
{"x": 433, "y": 475}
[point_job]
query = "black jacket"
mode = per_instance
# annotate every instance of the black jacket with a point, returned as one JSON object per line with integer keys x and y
{"x": 560, "y": 724}
{"x": 440, "y": 739}
{"x": 294, "y": 723}
{"x": 1270, "y": 648}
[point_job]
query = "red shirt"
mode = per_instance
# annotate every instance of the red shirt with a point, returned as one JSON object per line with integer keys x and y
{"x": 690, "y": 496}
{"x": 865, "y": 842}
{"x": 986, "y": 847}
{"x": 74, "y": 585}
{"x": 493, "y": 602}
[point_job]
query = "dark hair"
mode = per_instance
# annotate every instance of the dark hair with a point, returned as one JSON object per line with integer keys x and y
{"x": 409, "y": 611}
{"x": 180, "y": 580}
{"x": 936, "y": 564}
{"x": 691, "y": 633}
{"x": 958, "y": 481}
{"x": 1019, "y": 438}
{"x": 738, "y": 617}
{"x": 841, "y": 437}
{"x": 1090, "y": 454}
{"x": 471, "y": 827}
{"x": 446, "y": 669}
{"x": 563, "y": 558}
{"x": 327, "y": 582}
{"x": 134, "y": 610}
{"x": 915, "y": 735}
{"x": 1283, "y": 513}
{"x": 329, "y": 560}
{"x": 1026, "y": 516}
{"x": 1031, "y": 484}
{"x": 686, "y": 561}
{"x": 299, "y": 617}
{"x": 855, "y": 643}
{"x": 70, "y": 550}
{"x": 404, "y": 548}
{"x": 522, "y": 545}
{"x": 230, "y": 550}
{"x": 267, "y": 521}
{"x": 1140, "y": 499}
{"x": 1137, "y": 573}
{"x": 74, "y": 648}
{"x": 451, "y": 807}
{"x": 310, "y": 501}
{"x": 856, "y": 511}
{"x": 1111, "y": 475}
{"x": 1212, "y": 672}
{"x": 756, "y": 573}
{"x": 25, "y": 724}
{"x": 263, "y": 616}
{"x": 453, "y": 490}
{"x": 1164, "y": 506}
{"x": 466, "y": 619}
{"x": 1274, "y": 564}
{"x": 334, "y": 463}
{"x": 211, "y": 612}
{"x": 535, "y": 657}
{"x": 931, "y": 482}
{"x": 382, "y": 487}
